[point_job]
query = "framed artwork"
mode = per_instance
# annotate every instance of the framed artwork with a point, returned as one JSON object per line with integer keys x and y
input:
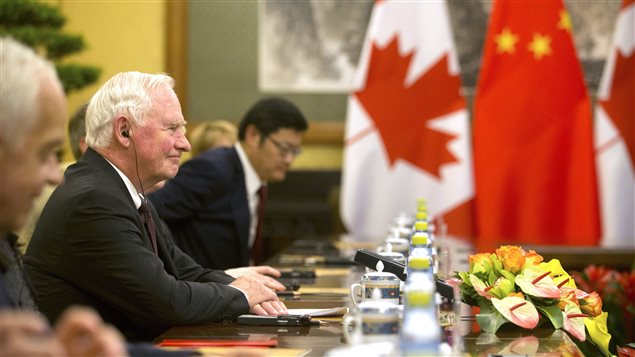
{"x": 310, "y": 46}
{"x": 314, "y": 45}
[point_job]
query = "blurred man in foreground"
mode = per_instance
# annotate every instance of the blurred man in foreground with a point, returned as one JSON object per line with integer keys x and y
{"x": 32, "y": 118}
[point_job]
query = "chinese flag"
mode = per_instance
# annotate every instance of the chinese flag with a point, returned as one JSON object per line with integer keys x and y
{"x": 615, "y": 134}
{"x": 533, "y": 148}
{"x": 407, "y": 130}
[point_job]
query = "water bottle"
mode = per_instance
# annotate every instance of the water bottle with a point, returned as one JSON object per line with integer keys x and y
{"x": 420, "y": 332}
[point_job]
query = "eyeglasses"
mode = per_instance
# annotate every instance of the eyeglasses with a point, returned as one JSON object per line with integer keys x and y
{"x": 284, "y": 149}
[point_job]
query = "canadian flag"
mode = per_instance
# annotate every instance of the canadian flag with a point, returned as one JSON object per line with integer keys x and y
{"x": 615, "y": 135}
{"x": 407, "y": 131}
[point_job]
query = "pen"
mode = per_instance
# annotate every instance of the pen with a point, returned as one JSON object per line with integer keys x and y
{"x": 288, "y": 293}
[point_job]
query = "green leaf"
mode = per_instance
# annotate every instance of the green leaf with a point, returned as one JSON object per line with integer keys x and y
{"x": 508, "y": 275}
{"x": 553, "y": 313}
{"x": 28, "y": 12}
{"x": 489, "y": 319}
{"x": 75, "y": 76}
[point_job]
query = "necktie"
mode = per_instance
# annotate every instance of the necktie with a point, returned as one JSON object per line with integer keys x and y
{"x": 257, "y": 251}
{"x": 149, "y": 223}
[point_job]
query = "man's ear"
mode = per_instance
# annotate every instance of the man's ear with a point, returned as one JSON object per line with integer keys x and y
{"x": 252, "y": 135}
{"x": 122, "y": 130}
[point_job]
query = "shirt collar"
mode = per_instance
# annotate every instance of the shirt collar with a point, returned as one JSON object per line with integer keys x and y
{"x": 252, "y": 180}
{"x": 136, "y": 197}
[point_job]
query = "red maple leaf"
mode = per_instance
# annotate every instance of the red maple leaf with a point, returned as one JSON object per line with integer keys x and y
{"x": 620, "y": 105}
{"x": 401, "y": 112}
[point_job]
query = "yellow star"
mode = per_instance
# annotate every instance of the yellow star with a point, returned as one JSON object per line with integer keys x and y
{"x": 565, "y": 21}
{"x": 506, "y": 41}
{"x": 540, "y": 46}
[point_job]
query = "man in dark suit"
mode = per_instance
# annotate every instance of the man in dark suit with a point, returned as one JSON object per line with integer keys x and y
{"x": 93, "y": 246}
{"x": 212, "y": 204}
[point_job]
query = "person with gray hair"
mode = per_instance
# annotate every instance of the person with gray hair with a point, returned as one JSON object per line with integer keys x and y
{"x": 97, "y": 242}
{"x": 32, "y": 118}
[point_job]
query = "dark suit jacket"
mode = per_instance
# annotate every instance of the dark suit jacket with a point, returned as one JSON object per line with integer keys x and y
{"x": 91, "y": 248}
{"x": 206, "y": 208}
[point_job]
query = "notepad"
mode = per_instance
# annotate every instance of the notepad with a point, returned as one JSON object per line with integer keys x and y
{"x": 335, "y": 311}
{"x": 196, "y": 343}
{"x": 323, "y": 290}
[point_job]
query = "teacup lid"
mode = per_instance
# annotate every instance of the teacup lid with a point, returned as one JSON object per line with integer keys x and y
{"x": 379, "y": 276}
{"x": 397, "y": 241}
{"x": 392, "y": 255}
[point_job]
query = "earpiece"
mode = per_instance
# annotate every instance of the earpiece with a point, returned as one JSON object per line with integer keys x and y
{"x": 125, "y": 134}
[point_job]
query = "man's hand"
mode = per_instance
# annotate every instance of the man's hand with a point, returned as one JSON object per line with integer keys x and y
{"x": 262, "y": 273}
{"x": 83, "y": 333}
{"x": 24, "y": 333}
{"x": 261, "y": 299}
{"x": 80, "y": 332}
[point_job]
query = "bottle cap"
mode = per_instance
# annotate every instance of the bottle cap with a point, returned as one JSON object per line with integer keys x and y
{"x": 418, "y": 263}
{"x": 419, "y": 238}
{"x": 418, "y": 298}
{"x": 421, "y": 215}
{"x": 421, "y": 226}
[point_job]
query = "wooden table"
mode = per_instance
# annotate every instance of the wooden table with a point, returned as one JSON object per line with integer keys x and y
{"x": 319, "y": 339}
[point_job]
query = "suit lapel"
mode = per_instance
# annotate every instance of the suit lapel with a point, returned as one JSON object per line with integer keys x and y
{"x": 104, "y": 166}
{"x": 240, "y": 208}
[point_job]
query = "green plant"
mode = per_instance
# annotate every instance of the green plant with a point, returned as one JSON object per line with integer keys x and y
{"x": 39, "y": 26}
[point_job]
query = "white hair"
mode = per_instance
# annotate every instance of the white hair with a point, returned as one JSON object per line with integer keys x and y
{"x": 128, "y": 94}
{"x": 22, "y": 72}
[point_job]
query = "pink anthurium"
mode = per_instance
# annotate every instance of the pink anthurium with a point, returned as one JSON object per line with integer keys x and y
{"x": 521, "y": 346}
{"x": 480, "y": 287}
{"x": 517, "y": 310}
{"x": 574, "y": 321}
{"x": 537, "y": 282}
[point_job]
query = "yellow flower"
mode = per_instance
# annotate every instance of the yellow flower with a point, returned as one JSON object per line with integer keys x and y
{"x": 598, "y": 332}
{"x": 591, "y": 304}
{"x": 513, "y": 257}
{"x": 554, "y": 267}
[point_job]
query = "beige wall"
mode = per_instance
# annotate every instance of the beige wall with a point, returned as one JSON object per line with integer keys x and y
{"x": 131, "y": 35}
{"x": 119, "y": 36}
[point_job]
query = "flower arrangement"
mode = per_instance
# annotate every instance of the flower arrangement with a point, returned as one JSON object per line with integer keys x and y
{"x": 516, "y": 286}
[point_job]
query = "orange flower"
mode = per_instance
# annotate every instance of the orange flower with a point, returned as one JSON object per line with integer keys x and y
{"x": 513, "y": 258}
{"x": 567, "y": 296}
{"x": 591, "y": 304}
{"x": 480, "y": 262}
{"x": 533, "y": 258}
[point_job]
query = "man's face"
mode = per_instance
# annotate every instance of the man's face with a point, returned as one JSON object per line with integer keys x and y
{"x": 272, "y": 155}
{"x": 26, "y": 169}
{"x": 162, "y": 140}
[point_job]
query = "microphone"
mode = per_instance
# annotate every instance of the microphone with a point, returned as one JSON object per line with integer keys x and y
{"x": 126, "y": 134}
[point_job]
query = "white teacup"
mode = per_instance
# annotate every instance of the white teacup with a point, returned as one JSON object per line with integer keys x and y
{"x": 372, "y": 321}
{"x": 376, "y": 285}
